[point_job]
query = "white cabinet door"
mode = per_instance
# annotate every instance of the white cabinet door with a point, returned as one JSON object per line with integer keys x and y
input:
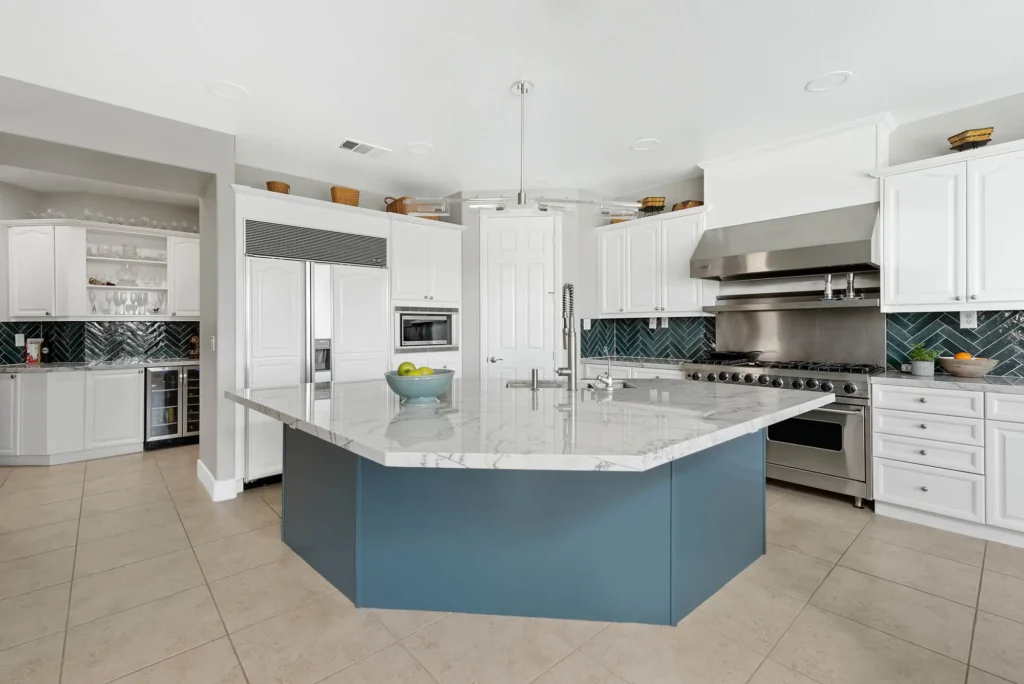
{"x": 114, "y": 407}
{"x": 10, "y": 414}
{"x": 65, "y": 411}
{"x": 31, "y": 281}
{"x": 361, "y": 315}
{"x": 995, "y": 229}
{"x": 680, "y": 293}
{"x": 611, "y": 270}
{"x": 643, "y": 267}
{"x": 924, "y": 246}
{"x": 277, "y": 304}
{"x": 70, "y": 276}
{"x": 446, "y": 264}
{"x": 183, "y": 276}
{"x": 410, "y": 264}
{"x": 1004, "y": 474}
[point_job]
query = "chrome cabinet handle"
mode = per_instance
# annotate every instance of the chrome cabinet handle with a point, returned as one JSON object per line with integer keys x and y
{"x": 924, "y": 452}
{"x": 924, "y": 426}
{"x": 495, "y": 360}
{"x": 923, "y": 488}
{"x": 923, "y": 400}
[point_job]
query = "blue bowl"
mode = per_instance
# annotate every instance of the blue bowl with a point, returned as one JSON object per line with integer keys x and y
{"x": 420, "y": 389}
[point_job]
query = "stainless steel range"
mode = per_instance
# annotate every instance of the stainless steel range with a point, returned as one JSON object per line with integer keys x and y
{"x": 796, "y": 313}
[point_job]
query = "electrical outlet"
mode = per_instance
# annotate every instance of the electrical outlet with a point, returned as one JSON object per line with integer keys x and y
{"x": 586, "y": 324}
{"x": 968, "y": 319}
{"x": 664, "y": 322}
{"x": 19, "y": 340}
{"x": 652, "y": 323}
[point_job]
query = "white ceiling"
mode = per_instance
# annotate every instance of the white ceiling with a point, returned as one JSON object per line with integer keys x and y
{"x": 42, "y": 181}
{"x": 707, "y": 77}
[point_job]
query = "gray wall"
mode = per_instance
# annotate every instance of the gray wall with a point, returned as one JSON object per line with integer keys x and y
{"x": 309, "y": 187}
{"x": 927, "y": 137}
{"x": 48, "y": 130}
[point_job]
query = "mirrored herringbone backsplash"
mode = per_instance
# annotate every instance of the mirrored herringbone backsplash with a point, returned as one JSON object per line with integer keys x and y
{"x": 684, "y": 338}
{"x": 102, "y": 341}
{"x": 999, "y": 335}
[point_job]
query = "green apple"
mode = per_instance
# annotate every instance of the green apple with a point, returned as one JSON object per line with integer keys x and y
{"x": 406, "y": 368}
{"x": 426, "y": 370}
{"x": 415, "y": 372}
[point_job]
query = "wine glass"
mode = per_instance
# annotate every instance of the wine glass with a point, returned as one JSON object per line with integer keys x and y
{"x": 92, "y": 299}
{"x": 144, "y": 221}
{"x": 144, "y": 296}
{"x": 110, "y": 303}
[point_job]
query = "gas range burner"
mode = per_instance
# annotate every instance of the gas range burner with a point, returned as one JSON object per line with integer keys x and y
{"x": 846, "y": 380}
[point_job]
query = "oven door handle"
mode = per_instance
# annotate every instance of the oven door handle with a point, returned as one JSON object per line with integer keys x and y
{"x": 855, "y": 412}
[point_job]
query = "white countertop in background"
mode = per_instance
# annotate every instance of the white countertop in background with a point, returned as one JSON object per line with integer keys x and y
{"x": 637, "y": 362}
{"x": 93, "y": 366}
{"x": 486, "y": 425}
{"x": 992, "y": 383}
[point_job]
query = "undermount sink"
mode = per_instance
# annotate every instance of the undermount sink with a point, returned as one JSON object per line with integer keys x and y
{"x": 554, "y": 384}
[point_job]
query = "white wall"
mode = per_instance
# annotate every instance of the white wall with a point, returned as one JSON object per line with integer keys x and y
{"x": 676, "y": 191}
{"x": 309, "y": 187}
{"x": 75, "y": 204}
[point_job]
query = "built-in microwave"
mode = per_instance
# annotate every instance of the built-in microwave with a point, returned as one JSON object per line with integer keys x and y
{"x": 426, "y": 329}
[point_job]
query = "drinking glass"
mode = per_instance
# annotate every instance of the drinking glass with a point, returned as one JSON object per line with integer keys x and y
{"x": 144, "y": 221}
{"x": 145, "y": 302}
{"x": 92, "y": 299}
{"x": 110, "y": 303}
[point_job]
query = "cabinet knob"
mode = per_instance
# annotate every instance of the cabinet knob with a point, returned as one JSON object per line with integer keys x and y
{"x": 923, "y": 488}
{"x": 923, "y": 400}
{"x": 924, "y": 452}
{"x": 47, "y": 313}
{"x": 621, "y": 310}
{"x": 958, "y": 298}
{"x": 140, "y": 371}
{"x": 174, "y": 313}
{"x": 974, "y": 296}
{"x": 431, "y": 296}
{"x": 924, "y": 426}
{"x": 426, "y": 297}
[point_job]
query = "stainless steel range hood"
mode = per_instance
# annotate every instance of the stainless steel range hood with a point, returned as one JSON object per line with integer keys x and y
{"x": 834, "y": 241}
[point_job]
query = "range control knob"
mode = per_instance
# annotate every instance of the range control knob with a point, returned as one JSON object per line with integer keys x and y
{"x": 723, "y": 376}
{"x": 764, "y": 380}
{"x": 812, "y": 383}
{"x": 826, "y": 386}
{"x": 735, "y": 377}
{"x": 712, "y": 377}
{"x": 798, "y": 384}
{"x": 695, "y": 375}
{"x": 748, "y": 378}
{"x": 850, "y": 388}
{"x": 777, "y": 382}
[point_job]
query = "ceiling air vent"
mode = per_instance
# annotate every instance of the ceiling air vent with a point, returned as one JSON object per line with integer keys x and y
{"x": 365, "y": 149}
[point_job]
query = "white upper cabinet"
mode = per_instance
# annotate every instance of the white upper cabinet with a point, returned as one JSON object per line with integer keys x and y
{"x": 924, "y": 248}
{"x": 31, "y": 285}
{"x": 69, "y": 245}
{"x": 183, "y": 276}
{"x": 361, "y": 314}
{"x": 611, "y": 269}
{"x": 644, "y": 266}
{"x": 426, "y": 264}
{"x": 995, "y": 229}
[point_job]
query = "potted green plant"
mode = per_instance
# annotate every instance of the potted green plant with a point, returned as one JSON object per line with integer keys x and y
{"x": 922, "y": 361}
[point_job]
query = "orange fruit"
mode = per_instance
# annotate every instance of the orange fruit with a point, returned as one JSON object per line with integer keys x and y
{"x": 962, "y": 356}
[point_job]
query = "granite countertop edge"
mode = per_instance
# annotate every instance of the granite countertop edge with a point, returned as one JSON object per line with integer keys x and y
{"x": 64, "y": 367}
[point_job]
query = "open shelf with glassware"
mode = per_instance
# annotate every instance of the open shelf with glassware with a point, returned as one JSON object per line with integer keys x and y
{"x": 132, "y": 268}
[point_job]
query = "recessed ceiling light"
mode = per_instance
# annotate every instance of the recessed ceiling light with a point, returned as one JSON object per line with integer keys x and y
{"x": 829, "y": 81}
{"x": 645, "y": 144}
{"x": 419, "y": 147}
{"x": 227, "y": 90}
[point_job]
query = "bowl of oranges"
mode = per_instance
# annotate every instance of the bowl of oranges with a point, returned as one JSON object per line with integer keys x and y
{"x": 964, "y": 365}
{"x": 419, "y": 386}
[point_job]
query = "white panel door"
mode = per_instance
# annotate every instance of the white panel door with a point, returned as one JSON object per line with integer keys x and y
{"x": 611, "y": 270}
{"x": 10, "y": 414}
{"x": 643, "y": 267}
{"x": 31, "y": 280}
{"x": 520, "y": 297}
{"x": 410, "y": 264}
{"x": 924, "y": 247}
{"x": 277, "y": 318}
{"x": 446, "y": 265}
{"x": 70, "y": 278}
{"x": 679, "y": 236}
{"x": 361, "y": 314}
{"x": 995, "y": 229}
{"x": 1004, "y": 474}
{"x": 114, "y": 402}
{"x": 183, "y": 276}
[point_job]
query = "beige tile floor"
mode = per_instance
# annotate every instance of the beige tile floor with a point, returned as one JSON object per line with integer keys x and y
{"x": 123, "y": 570}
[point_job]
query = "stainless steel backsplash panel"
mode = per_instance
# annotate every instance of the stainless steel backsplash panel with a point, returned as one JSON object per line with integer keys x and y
{"x": 847, "y": 335}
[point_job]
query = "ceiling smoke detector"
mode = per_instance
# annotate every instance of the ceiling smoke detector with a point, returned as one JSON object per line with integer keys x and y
{"x": 362, "y": 148}
{"x": 829, "y": 81}
{"x": 645, "y": 144}
{"x": 227, "y": 90}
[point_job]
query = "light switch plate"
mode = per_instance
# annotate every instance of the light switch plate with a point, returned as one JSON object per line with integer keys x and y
{"x": 586, "y": 324}
{"x": 968, "y": 319}
{"x": 19, "y": 340}
{"x": 652, "y": 323}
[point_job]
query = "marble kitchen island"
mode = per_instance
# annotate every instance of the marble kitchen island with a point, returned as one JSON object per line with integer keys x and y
{"x": 634, "y": 506}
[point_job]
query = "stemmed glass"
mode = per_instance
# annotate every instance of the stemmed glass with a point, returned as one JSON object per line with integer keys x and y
{"x": 92, "y": 299}
{"x": 144, "y": 296}
{"x": 110, "y": 303}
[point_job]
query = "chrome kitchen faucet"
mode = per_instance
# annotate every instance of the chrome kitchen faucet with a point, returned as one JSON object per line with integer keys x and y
{"x": 569, "y": 336}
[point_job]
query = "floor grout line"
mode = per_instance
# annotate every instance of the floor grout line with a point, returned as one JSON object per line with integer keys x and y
{"x": 977, "y": 608}
{"x": 71, "y": 588}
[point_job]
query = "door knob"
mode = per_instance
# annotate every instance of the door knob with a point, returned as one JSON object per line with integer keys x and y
{"x": 495, "y": 359}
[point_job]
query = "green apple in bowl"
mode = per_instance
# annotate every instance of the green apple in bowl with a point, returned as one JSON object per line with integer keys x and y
{"x": 406, "y": 368}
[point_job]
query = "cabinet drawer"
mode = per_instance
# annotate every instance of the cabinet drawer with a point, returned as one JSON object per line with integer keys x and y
{"x": 927, "y": 426}
{"x": 1007, "y": 407}
{"x": 964, "y": 457}
{"x": 946, "y": 492}
{"x": 928, "y": 400}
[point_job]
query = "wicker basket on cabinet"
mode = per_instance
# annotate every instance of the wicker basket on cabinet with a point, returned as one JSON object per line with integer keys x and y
{"x": 343, "y": 195}
{"x": 396, "y": 205}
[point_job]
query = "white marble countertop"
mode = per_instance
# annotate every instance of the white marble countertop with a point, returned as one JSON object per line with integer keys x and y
{"x": 637, "y": 362}
{"x": 92, "y": 366}
{"x": 486, "y": 425}
{"x": 991, "y": 383}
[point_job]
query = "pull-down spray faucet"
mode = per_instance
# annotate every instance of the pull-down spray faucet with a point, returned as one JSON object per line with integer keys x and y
{"x": 569, "y": 336}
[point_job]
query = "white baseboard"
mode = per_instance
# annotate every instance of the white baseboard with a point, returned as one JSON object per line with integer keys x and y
{"x": 219, "y": 490}
{"x": 71, "y": 456}
{"x": 971, "y": 529}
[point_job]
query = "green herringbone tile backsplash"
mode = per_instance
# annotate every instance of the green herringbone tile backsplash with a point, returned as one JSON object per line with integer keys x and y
{"x": 999, "y": 335}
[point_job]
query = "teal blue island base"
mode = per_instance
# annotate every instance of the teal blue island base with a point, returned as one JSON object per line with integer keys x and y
{"x": 592, "y": 545}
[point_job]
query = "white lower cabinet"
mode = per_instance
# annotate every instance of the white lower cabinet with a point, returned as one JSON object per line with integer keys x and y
{"x": 10, "y": 414}
{"x": 114, "y": 407}
{"x": 65, "y": 412}
{"x": 1004, "y": 474}
{"x": 935, "y": 490}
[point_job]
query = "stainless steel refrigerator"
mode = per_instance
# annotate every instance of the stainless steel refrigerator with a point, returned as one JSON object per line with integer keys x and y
{"x": 172, "y": 404}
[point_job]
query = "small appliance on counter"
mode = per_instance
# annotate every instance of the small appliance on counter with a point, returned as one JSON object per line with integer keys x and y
{"x": 172, "y": 406}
